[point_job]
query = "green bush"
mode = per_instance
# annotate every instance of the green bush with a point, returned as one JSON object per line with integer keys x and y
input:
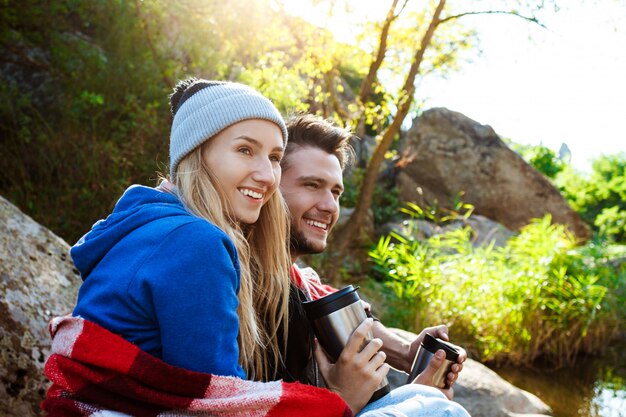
{"x": 385, "y": 201}
{"x": 540, "y": 296}
{"x": 600, "y": 197}
{"x": 84, "y": 86}
{"x": 543, "y": 159}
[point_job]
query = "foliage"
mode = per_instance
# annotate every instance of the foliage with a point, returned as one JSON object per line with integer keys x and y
{"x": 431, "y": 44}
{"x": 83, "y": 106}
{"x": 385, "y": 203}
{"x": 600, "y": 198}
{"x": 543, "y": 159}
{"x": 538, "y": 296}
{"x": 83, "y": 114}
{"x": 84, "y": 86}
{"x": 440, "y": 215}
{"x": 78, "y": 111}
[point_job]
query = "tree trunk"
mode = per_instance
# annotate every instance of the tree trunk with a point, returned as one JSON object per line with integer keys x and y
{"x": 368, "y": 81}
{"x": 349, "y": 233}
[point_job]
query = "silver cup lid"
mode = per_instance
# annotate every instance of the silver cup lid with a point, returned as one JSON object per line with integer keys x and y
{"x": 331, "y": 303}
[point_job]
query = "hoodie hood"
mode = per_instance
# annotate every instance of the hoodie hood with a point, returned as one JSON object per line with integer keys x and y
{"x": 138, "y": 206}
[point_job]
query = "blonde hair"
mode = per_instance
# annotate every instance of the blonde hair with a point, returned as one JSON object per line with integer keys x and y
{"x": 264, "y": 264}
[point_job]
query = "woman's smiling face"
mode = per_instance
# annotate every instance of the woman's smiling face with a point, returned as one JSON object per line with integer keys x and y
{"x": 245, "y": 159}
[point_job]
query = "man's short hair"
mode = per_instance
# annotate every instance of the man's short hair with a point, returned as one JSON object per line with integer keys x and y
{"x": 312, "y": 131}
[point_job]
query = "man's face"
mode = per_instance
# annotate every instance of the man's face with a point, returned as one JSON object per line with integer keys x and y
{"x": 311, "y": 185}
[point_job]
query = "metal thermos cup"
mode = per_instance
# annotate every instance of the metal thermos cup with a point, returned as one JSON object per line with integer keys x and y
{"x": 334, "y": 318}
{"x": 426, "y": 351}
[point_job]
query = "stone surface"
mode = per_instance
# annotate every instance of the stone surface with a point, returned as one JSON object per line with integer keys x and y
{"x": 483, "y": 393}
{"x": 367, "y": 230}
{"x": 485, "y": 231}
{"x": 37, "y": 281}
{"x": 453, "y": 154}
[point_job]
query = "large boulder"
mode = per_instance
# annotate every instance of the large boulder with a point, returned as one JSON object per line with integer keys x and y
{"x": 452, "y": 154}
{"x": 482, "y": 392}
{"x": 38, "y": 282}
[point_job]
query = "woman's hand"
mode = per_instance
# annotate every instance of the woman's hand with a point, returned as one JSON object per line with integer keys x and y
{"x": 357, "y": 373}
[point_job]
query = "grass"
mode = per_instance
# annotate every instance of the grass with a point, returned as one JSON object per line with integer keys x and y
{"x": 539, "y": 297}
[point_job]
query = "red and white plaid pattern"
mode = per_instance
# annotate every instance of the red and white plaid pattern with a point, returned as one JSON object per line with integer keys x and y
{"x": 308, "y": 281}
{"x": 97, "y": 373}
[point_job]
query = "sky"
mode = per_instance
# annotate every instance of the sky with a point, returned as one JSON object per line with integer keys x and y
{"x": 563, "y": 84}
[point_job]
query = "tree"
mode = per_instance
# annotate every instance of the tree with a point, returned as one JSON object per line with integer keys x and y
{"x": 439, "y": 14}
{"x": 84, "y": 86}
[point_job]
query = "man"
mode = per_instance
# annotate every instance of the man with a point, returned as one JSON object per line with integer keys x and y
{"x": 312, "y": 183}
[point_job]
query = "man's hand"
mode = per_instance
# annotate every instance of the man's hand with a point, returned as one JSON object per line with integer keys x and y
{"x": 401, "y": 354}
{"x": 357, "y": 373}
{"x": 426, "y": 377}
{"x": 440, "y": 331}
{"x": 437, "y": 361}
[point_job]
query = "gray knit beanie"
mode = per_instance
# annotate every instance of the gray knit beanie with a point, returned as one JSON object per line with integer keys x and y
{"x": 212, "y": 108}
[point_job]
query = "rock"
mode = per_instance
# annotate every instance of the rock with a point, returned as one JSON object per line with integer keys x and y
{"x": 485, "y": 231}
{"x": 486, "y": 394}
{"x": 364, "y": 148}
{"x": 453, "y": 154}
{"x": 39, "y": 281}
{"x": 482, "y": 392}
{"x": 367, "y": 233}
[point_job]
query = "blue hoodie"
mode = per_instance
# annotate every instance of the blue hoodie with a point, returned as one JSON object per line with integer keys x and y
{"x": 163, "y": 279}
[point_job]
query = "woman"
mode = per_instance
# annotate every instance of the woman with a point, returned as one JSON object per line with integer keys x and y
{"x": 193, "y": 273}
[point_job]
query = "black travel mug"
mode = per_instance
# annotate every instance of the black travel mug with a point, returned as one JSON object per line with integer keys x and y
{"x": 334, "y": 318}
{"x": 426, "y": 351}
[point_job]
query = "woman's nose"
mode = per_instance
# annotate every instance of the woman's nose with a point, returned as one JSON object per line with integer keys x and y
{"x": 264, "y": 172}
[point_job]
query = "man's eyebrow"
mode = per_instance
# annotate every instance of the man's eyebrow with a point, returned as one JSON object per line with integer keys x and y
{"x": 313, "y": 178}
{"x": 304, "y": 178}
{"x": 258, "y": 143}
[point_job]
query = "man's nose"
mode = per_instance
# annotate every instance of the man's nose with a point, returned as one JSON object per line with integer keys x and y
{"x": 328, "y": 203}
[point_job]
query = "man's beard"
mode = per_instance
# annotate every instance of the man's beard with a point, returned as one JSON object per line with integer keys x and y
{"x": 300, "y": 245}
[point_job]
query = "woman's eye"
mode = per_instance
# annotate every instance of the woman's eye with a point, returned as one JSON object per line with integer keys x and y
{"x": 245, "y": 151}
{"x": 275, "y": 158}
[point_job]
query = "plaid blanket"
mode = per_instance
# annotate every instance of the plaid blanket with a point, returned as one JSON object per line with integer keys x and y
{"x": 97, "y": 373}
